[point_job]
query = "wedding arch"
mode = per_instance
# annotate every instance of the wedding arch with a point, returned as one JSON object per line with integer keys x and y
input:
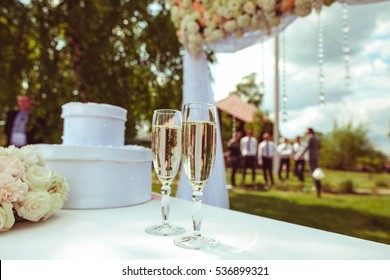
{"x": 227, "y": 26}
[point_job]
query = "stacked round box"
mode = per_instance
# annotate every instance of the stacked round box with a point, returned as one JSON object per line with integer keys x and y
{"x": 102, "y": 172}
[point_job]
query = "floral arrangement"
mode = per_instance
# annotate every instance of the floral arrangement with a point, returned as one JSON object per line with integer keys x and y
{"x": 201, "y": 22}
{"x": 28, "y": 190}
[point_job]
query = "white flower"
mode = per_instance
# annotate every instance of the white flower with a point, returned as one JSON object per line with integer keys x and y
{"x": 27, "y": 188}
{"x": 175, "y": 16}
{"x": 186, "y": 3}
{"x": 7, "y": 218}
{"x": 215, "y": 19}
{"x": 243, "y": 21}
{"x": 3, "y": 151}
{"x": 250, "y": 8}
{"x": 56, "y": 203}
{"x": 38, "y": 178}
{"x": 11, "y": 189}
{"x": 267, "y": 5}
{"x": 29, "y": 155}
{"x": 34, "y": 206}
{"x": 230, "y": 26}
{"x": 234, "y": 5}
{"x": 192, "y": 27}
{"x": 12, "y": 165}
{"x": 59, "y": 185}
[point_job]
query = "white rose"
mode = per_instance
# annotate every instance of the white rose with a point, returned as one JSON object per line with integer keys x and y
{"x": 56, "y": 203}
{"x": 3, "y": 151}
{"x": 186, "y": 3}
{"x": 12, "y": 166}
{"x": 192, "y": 27}
{"x": 234, "y": 4}
{"x": 175, "y": 16}
{"x": 38, "y": 178}
{"x": 35, "y": 206}
{"x": 29, "y": 155}
{"x": 11, "y": 189}
{"x": 218, "y": 34}
{"x": 59, "y": 185}
{"x": 230, "y": 26}
{"x": 267, "y": 5}
{"x": 7, "y": 219}
{"x": 195, "y": 39}
{"x": 250, "y": 8}
{"x": 244, "y": 21}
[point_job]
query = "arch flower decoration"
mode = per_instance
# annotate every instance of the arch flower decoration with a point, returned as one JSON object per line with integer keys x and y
{"x": 202, "y": 22}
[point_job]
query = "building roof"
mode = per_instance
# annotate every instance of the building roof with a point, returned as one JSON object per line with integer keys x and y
{"x": 236, "y": 107}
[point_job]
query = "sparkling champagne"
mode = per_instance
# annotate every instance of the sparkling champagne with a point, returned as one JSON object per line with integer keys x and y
{"x": 166, "y": 150}
{"x": 199, "y": 151}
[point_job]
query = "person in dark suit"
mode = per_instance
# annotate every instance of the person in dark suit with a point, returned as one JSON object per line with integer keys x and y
{"x": 313, "y": 147}
{"x": 265, "y": 157}
{"x": 16, "y": 126}
{"x": 234, "y": 154}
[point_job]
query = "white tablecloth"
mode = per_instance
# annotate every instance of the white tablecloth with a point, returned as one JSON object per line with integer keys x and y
{"x": 118, "y": 234}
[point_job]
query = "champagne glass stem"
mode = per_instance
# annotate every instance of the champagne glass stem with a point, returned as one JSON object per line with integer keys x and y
{"x": 165, "y": 207}
{"x": 197, "y": 197}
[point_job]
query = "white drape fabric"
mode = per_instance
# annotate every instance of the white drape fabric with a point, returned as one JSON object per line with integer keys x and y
{"x": 197, "y": 88}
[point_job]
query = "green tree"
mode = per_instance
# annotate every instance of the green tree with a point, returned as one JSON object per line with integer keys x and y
{"x": 348, "y": 147}
{"x": 118, "y": 52}
{"x": 249, "y": 90}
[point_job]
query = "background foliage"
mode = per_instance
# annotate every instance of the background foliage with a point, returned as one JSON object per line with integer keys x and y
{"x": 118, "y": 52}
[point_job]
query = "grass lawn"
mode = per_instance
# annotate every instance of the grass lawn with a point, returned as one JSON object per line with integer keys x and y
{"x": 364, "y": 216}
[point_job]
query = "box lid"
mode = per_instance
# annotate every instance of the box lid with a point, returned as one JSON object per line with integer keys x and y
{"x": 127, "y": 153}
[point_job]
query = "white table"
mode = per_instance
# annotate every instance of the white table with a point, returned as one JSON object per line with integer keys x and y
{"x": 118, "y": 234}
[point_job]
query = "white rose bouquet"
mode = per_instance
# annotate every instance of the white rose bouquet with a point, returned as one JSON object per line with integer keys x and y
{"x": 28, "y": 190}
{"x": 199, "y": 22}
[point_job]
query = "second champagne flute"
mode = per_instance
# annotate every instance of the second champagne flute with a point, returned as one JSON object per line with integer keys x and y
{"x": 200, "y": 137}
{"x": 166, "y": 150}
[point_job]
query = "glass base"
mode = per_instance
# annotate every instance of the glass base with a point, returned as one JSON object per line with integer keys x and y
{"x": 164, "y": 230}
{"x": 196, "y": 242}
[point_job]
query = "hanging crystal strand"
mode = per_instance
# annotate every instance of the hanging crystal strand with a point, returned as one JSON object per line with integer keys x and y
{"x": 346, "y": 48}
{"x": 284, "y": 93}
{"x": 262, "y": 83}
{"x": 321, "y": 76}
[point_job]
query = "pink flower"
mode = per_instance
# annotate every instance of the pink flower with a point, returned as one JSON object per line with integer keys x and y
{"x": 12, "y": 165}
{"x": 11, "y": 190}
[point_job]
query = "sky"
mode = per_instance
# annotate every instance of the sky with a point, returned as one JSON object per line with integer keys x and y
{"x": 365, "y": 102}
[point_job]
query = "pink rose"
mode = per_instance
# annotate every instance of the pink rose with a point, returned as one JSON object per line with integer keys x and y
{"x": 11, "y": 190}
{"x": 12, "y": 166}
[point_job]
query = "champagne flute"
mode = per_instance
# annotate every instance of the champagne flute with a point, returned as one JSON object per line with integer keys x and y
{"x": 199, "y": 142}
{"x": 166, "y": 151}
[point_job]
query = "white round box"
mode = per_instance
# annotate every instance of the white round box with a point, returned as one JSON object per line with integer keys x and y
{"x": 93, "y": 124}
{"x": 102, "y": 177}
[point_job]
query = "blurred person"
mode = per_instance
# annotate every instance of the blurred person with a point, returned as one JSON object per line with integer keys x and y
{"x": 265, "y": 156}
{"x": 248, "y": 148}
{"x": 299, "y": 159}
{"x": 313, "y": 148}
{"x": 234, "y": 154}
{"x": 16, "y": 126}
{"x": 285, "y": 152}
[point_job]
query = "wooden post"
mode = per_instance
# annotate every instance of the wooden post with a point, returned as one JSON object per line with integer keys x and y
{"x": 276, "y": 104}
